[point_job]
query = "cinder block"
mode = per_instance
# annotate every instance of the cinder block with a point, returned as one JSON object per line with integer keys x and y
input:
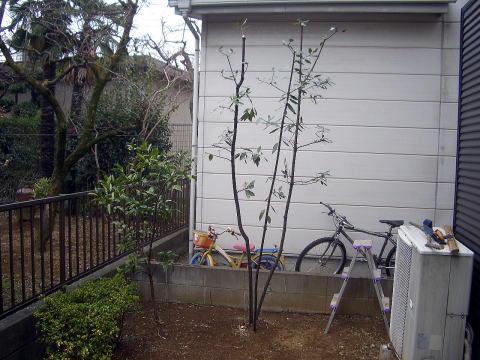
{"x": 306, "y": 284}
{"x": 225, "y": 278}
{"x": 387, "y": 287}
{"x": 186, "y": 275}
{"x": 144, "y": 291}
{"x": 277, "y": 284}
{"x": 307, "y": 303}
{"x": 358, "y": 306}
{"x": 187, "y": 294}
{"x": 359, "y": 288}
{"x": 274, "y": 301}
{"x": 227, "y": 297}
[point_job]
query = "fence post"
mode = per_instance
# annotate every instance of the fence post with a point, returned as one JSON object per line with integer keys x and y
{"x": 61, "y": 224}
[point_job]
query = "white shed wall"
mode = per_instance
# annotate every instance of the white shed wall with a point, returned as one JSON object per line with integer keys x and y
{"x": 391, "y": 116}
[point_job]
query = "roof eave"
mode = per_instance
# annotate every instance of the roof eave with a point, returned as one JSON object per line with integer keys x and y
{"x": 199, "y": 8}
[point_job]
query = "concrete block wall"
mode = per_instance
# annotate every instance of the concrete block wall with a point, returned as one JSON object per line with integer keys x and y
{"x": 289, "y": 291}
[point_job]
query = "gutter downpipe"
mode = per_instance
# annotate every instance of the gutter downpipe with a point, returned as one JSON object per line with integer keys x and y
{"x": 193, "y": 181}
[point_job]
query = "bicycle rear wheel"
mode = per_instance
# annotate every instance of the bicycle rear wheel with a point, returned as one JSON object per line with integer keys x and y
{"x": 323, "y": 256}
{"x": 268, "y": 261}
{"x": 390, "y": 262}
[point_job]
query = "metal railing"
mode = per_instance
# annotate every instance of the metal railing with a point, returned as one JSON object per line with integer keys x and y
{"x": 181, "y": 137}
{"x": 48, "y": 243}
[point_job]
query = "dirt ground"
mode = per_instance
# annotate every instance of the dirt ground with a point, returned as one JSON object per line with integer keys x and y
{"x": 213, "y": 332}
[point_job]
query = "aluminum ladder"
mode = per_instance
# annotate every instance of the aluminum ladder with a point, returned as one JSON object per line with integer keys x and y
{"x": 362, "y": 247}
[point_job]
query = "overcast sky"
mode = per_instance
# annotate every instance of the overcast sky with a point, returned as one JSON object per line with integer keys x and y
{"x": 148, "y": 20}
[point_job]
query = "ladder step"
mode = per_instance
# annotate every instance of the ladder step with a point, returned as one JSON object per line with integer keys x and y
{"x": 334, "y": 302}
{"x": 386, "y": 304}
{"x": 367, "y": 244}
{"x": 345, "y": 271}
{"x": 377, "y": 274}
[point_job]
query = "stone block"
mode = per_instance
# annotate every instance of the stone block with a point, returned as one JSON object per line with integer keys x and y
{"x": 187, "y": 294}
{"x": 306, "y": 303}
{"x": 358, "y": 306}
{"x": 306, "y": 283}
{"x": 160, "y": 291}
{"x": 186, "y": 275}
{"x": 226, "y": 278}
{"x": 227, "y": 297}
{"x": 277, "y": 284}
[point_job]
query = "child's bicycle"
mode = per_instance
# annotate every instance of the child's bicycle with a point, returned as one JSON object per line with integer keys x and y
{"x": 207, "y": 241}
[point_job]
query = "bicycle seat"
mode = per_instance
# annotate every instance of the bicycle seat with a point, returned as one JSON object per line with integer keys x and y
{"x": 243, "y": 248}
{"x": 393, "y": 223}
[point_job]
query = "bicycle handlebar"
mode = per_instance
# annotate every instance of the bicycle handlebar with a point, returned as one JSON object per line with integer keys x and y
{"x": 342, "y": 219}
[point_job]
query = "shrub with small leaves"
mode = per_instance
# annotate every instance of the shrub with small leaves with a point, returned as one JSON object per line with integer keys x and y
{"x": 40, "y": 188}
{"x": 85, "y": 323}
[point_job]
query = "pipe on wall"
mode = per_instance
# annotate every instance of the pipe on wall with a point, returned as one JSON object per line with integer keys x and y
{"x": 193, "y": 181}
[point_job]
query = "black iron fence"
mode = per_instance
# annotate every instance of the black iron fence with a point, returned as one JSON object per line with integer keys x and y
{"x": 48, "y": 243}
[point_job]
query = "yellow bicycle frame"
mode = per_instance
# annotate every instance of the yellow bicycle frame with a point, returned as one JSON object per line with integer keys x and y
{"x": 233, "y": 261}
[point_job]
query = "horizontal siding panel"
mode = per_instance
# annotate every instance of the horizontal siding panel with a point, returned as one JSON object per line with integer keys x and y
{"x": 347, "y": 86}
{"x": 336, "y": 59}
{"x": 445, "y": 196}
{"x": 348, "y": 165}
{"x": 341, "y": 191}
{"x": 347, "y": 112}
{"x": 346, "y": 139}
{"x": 313, "y": 216}
{"x": 356, "y": 34}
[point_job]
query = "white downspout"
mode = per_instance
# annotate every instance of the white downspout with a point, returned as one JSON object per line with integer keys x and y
{"x": 193, "y": 182}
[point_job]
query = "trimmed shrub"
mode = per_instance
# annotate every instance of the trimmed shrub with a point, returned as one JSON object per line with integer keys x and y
{"x": 86, "y": 323}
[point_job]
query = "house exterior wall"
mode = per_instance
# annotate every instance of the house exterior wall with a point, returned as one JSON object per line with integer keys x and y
{"x": 391, "y": 116}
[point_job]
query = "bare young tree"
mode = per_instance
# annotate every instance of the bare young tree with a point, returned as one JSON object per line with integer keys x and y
{"x": 303, "y": 84}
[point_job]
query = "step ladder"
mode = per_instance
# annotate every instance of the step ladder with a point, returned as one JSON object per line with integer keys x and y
{"x": 362, "y": 247}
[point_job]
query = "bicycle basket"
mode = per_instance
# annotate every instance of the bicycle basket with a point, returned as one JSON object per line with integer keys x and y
{"x": 201, "y": 239}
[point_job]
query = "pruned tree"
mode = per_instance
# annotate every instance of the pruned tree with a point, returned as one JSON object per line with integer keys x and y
{"x": 303, "y": 84}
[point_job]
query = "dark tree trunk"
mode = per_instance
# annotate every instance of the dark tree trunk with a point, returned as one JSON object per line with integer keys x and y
{"x": 47, "y": 125}
{"x": 78, "y": 96}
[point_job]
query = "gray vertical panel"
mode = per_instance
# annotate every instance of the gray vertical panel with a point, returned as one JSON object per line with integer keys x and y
{"x": 467, "y": 194}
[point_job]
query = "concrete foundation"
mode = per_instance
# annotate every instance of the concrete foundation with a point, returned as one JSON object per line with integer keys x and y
{"x": 288, "y": 291}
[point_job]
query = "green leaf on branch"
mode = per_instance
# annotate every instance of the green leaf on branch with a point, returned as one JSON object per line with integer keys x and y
{"x": 249, "y": 193}
{"x": 261, "y": 214}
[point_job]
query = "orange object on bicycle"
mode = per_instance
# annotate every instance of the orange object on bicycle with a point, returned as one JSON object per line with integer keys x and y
{"x": 202, "y": 240}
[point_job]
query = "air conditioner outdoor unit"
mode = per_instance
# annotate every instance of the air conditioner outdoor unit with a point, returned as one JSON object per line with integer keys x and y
{"x": 431, "y": 291}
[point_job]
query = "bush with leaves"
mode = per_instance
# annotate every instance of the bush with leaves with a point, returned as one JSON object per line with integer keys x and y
{"x": 86, "y": 323}
{"x": 140, "y": 196}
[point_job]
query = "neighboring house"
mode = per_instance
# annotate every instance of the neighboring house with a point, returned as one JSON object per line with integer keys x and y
{"x": 392, "y": 113}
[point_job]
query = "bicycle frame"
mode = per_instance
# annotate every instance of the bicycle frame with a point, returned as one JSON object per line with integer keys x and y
{"x": 387, "y": 236}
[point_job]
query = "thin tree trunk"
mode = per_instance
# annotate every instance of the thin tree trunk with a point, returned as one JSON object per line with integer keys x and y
{"x": 235, "y": 188}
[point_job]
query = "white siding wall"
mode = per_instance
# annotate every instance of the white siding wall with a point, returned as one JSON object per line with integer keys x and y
{"x": 391, "y": 117}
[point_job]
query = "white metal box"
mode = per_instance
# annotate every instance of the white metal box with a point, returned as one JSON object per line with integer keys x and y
{"x": 431, "y": 291}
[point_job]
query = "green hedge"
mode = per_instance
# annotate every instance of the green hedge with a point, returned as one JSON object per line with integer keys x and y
{"x": 85, "y": 323}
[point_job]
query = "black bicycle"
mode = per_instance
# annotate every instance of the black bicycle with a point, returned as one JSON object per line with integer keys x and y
{"x": 328, "y": 255}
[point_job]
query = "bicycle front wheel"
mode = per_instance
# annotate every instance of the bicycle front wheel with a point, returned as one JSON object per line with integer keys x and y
{"x": 323, "y": 256}
{"x": 268, "y": 261}
{"x": 197, "y": 259}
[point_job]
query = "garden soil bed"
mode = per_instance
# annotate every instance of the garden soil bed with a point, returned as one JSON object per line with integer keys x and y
{"x": 213, "y": 332}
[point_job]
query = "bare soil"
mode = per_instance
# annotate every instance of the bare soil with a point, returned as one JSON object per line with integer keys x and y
{"x": 212, "y": 332}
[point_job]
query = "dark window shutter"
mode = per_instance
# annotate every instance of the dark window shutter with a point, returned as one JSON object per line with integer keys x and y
{"x": 467, "y": 192}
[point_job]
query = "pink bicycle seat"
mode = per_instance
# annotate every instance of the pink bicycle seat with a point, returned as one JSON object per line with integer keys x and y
{"x": 243, "y": 248}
